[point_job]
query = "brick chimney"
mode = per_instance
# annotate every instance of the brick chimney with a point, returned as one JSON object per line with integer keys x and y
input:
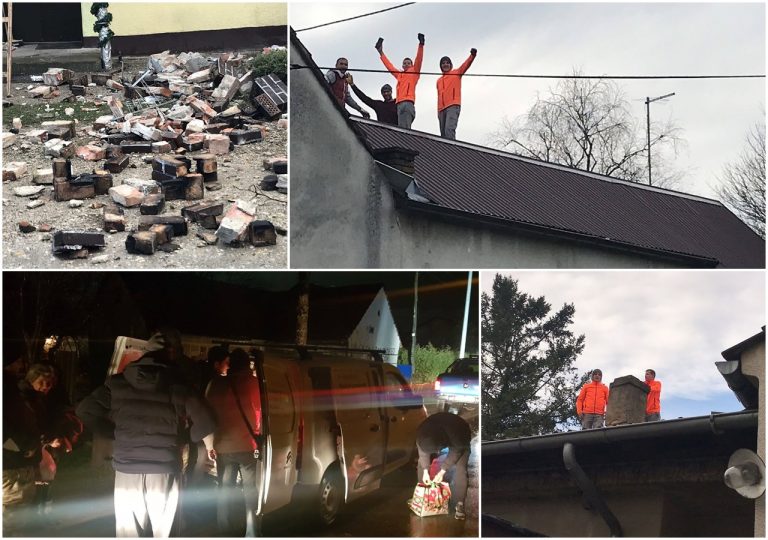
{"x": 400, "y": 158}
{"x": 626, "y": 401}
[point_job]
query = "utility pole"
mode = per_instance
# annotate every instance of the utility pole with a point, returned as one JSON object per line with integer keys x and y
{"x": 648, "y": 102}
{"x": 415, "y": 311}
{"x": 463, "y": 346}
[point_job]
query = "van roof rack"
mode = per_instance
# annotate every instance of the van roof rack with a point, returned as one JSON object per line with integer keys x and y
{"x": 304, "y": 351}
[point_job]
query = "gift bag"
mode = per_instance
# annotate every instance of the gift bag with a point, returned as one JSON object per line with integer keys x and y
{"x": 430, "y": 499}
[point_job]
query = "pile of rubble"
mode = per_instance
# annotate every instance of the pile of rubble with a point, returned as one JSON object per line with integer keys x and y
{"x": 179, "y": 113}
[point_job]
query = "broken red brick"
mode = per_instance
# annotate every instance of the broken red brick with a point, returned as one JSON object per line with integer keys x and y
{"x": 91, "y": 152}
{"x": 26, "y": 227}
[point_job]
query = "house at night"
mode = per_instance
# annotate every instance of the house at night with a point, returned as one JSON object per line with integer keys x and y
{"x": 355, "y": 317}
{"x": 367, "y": 194}
{"x": 653, "y": 479}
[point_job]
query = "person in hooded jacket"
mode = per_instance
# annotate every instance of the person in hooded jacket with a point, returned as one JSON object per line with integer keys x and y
{"x": 592, "y": 401}
{"x": 236, "y": 402}
{"x": 445, "y": 430}
{"x": 407, "y": 79}
{"x": 38, "y": 425}
{"x": 449, "y": 94}
{"x": 653, "y": 400}
{"x": 146, "y": 411}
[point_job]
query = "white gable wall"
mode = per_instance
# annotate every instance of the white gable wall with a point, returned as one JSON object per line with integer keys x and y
{"x": 377, "y": 330}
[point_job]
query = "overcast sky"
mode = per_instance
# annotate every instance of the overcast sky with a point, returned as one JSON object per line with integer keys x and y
{"x": 599, "y": 39}
{"x": 676, "y": 322}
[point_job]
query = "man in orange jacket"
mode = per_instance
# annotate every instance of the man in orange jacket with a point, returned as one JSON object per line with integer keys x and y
{"x": 449, "y": 94}
{"x": 653, "y": 401}
{"x": 590, "y": 405}
{"x": 406, "y": 82}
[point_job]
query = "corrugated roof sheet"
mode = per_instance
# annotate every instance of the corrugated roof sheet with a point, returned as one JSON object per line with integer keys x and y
{"x": 468, "y": 178}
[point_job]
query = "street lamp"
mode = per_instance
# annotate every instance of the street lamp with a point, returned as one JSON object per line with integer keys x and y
{"x": 648, "y": 102}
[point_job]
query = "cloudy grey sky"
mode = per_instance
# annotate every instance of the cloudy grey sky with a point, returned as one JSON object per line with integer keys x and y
{"x": 549, "y": 38}
{"x": 676, "y": 322}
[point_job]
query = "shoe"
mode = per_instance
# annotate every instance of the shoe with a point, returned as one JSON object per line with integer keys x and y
{"x": 459, "y": 514}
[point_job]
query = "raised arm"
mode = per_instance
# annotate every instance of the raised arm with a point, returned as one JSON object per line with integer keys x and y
{"x": 361, "y": 95}
{"x": 419, "y": 54}
{"x": 468, "y": 62}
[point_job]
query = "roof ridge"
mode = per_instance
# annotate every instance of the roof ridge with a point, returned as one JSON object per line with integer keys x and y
{"x": 501, "y": 153}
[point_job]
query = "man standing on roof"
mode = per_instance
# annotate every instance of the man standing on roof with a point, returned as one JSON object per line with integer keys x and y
{"x": 337, "y": 79}
{"x": 406, "y": 82}
{"x": 449, "y": 94}
{"x": 653, "y": 401}
{"x": 386, "y": 111}
{"x": 590, "y": 405}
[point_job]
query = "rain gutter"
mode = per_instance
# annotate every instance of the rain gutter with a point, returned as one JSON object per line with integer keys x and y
{"x": 714, "y": 423}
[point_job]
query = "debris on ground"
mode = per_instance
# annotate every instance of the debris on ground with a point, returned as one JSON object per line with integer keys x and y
{"x": 151, "y": 148}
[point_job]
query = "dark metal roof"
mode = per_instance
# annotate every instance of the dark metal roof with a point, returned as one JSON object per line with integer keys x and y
{"x": 463, "y": 177}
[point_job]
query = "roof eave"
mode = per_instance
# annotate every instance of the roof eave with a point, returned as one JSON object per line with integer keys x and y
{"x": 714, "y": 423}
{"x": 691, "y": 261}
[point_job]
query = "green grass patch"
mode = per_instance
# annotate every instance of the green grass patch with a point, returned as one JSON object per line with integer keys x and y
{"x": 36, "y": 112}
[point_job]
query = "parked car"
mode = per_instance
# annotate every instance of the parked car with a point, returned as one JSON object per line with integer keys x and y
{"x": 334, "y": 426}
{"x": 459, "y": 387}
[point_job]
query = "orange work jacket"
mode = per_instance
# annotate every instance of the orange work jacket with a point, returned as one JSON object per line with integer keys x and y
{"x": 407, "y": 79}
{"x": 592, "y": 399}
{"x": 449, "y": 85}
{"x": 653, "y": 401}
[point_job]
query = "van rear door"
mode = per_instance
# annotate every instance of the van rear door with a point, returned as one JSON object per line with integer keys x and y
{"x": 279, "y": 399}
{"x": 363, "y": 431}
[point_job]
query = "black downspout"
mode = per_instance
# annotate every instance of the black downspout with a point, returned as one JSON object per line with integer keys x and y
{"x": 590, "y": 490}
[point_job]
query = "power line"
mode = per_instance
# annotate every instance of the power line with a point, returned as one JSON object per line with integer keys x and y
{"x": 530, "y": 76}
{"x": 355, "y": 17}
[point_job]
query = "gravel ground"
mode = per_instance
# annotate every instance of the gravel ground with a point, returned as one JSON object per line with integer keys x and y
{"x": 239, "y": 175}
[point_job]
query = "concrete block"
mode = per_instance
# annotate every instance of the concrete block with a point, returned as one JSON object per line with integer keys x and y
{"x": 147, "y": 187}
{"x": 57, "y": 76}
{"x": 28, "y": 191}
{"x": 227, "y": 88}
{"x": 8, "y": 139}
{"x": 57, "y": 125}
{"x": 59, "y": 148}
{"x": 43, "y": 176}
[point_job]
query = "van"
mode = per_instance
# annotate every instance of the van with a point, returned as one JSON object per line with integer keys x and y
{"x": 334, "y": 421}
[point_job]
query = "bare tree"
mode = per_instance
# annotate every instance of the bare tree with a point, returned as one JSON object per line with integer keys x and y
{"x": 586, "y": 124}
{"x": 743, "y": 181}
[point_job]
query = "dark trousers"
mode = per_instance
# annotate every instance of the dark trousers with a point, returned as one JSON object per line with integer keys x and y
{"x": 228, "y": 465}
{"x": 457, "y": 475}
